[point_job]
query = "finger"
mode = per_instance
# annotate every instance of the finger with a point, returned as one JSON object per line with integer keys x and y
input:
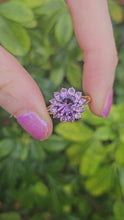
{"x": 120, "y": 1}
{"x": 94, "y": 33}
{"x": 21, "y": 97}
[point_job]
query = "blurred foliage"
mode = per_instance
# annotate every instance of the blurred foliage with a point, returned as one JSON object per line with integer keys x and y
{"x": 78, "y": 173}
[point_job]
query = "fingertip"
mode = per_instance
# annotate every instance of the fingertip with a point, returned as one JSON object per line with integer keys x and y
{"x": 35, "y": 125}
{"x": 104, "y": 109}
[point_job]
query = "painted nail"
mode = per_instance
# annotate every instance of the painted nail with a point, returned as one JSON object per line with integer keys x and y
{"x": 108, "y": 104}
{"x": 34, "y": 125}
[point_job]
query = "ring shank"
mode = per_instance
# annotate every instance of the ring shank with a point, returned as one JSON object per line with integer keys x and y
{"x": 87, "y": 98}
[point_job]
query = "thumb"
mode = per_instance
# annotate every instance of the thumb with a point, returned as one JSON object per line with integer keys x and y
{"x": 21, "y": 97}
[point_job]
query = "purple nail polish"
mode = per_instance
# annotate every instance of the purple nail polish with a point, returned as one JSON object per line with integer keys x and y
{"x": 34, "y": 125}
{"x": 108, "y": 104}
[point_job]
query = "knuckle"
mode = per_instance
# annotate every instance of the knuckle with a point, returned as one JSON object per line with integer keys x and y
{"x": 6, "y": 88}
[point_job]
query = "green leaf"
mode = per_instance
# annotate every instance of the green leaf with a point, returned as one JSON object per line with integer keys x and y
{"x": 118, "y": 209}
{"x": 6, "y": 147}
{"x": 23, "y": 152}
{"x": 104, "y": 133}
{"x": 93, "y": 119}
{"x": 117, "y": 114}
{"x": 64, "y": 29}
{"x": 57, "y": 75}
{"x": 121, "y": 132}
{"x": 92, "y": 159}
{"x": 14, "y": 37}
{"x": 40, "y": 189}
{"x": 74, "y": 154}
{"x": 74, "y": 132}
{"x": 120, "y": 74}
{"x": 121, "y": 177}
{"x": 119, "y": 154}
{"x": 38, "y": 216}
{"x": 101, "y": 182}
{"x": 10, "y": 216}
{"x": 74, "y": 75}
{"x": 55, "y": 144}
{"x": 116, "y": 12}
{"x": 72, "y": 217}
{"x": 37, "y": 151}
{"x": 30, "y": 24}
{"x": 31, "y": 3}
{"x": 50, "y": 7}
{"x": 57, "y": 165}
{"x": 121, "y": 56}
{"x": 84, "y": 207}
{"x": 16, "y": 11}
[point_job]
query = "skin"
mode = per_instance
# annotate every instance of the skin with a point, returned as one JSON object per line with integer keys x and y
{"x": 93, "y": 29}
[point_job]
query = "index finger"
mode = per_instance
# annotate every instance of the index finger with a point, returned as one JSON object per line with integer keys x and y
{"x": 94, "y": 33}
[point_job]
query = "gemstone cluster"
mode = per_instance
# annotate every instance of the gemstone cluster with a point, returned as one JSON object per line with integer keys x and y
{"x": 67, "y": 105}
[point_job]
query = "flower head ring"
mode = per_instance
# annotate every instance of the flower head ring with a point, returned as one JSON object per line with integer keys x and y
{"x": 68, "y": 104}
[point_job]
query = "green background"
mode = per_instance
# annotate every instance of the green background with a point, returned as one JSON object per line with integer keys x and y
{"x": 78, "y": 173}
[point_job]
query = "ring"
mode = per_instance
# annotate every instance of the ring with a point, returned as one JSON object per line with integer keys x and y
{"x": 67, "y": 105}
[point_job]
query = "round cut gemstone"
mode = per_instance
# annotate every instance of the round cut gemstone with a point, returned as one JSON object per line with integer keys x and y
{"x": 57, "y": 95}
{"x": 78, "y": 95}
{"x": 63, "y": 91}
{"x": 75, "y": 108}
{"x": 53, "y": 109}
{"x": 57, "y": 115}
{"x": 81, "y": 109}
{"x": 82, "y": 101}
{"x": 53, "y": 101}
{"x": 71, "y": 91}
{"x": 63, "y": 119}
{"x": 71, "y": 118}
{"x": 78, "y": 115}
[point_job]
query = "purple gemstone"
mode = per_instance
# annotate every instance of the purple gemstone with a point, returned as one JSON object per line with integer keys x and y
{"x": 67, "y": 109}
{"x": 53, "y": 109}
{"x": 53, "y": 101}
{"x": 71, "y": 118}
{"x": 73, "y": 98}
{"x": 82, "y": 101}
{"x": 57, "y": 95}
{"x": 78, "y": 95}
{"x": 61, "y": 108}
{"x": 81, "y": 109}
{"x": 71, "y": 91}
{"x": 75, "y": 108}
{"x": 78, "y": 115}
{"x": 57, "y": 115}
{"x": 69, "y": 99}
{"x": 63, "y": 91}
{"x": 63, "y": 119}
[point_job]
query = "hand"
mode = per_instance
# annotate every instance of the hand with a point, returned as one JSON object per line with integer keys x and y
{"x": 19, "y": 94}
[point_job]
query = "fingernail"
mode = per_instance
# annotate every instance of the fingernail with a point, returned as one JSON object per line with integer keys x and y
{"x": 108, "y": 104}
{"x": 34, "y": 125}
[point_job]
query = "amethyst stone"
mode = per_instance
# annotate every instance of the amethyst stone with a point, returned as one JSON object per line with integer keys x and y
{"x": 67, "y": 105}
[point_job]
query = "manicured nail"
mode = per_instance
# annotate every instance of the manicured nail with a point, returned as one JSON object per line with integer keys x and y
{"x": 108, "y": 104}
{"x": 34, "y": 125}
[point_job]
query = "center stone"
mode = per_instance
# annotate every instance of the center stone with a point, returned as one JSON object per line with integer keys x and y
{"x": 68, "y": 101}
